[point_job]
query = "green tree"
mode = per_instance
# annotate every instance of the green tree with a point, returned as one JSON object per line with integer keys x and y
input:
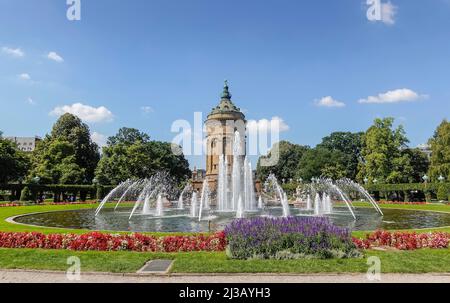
{"x": 128, "y": 136}
{"x": 288, "y": 154}
{"x": 382, "y": 154}
{"x": 440, "y": 148}
{"x": 419, "y": 163}
{"x": 70, "y": 128}
{"x": 350, "y": 145}
{"x": 322, "y": 162}
{"x": 56, "y": 164}
{"x": 14, "y": 164}
{"x": 123, "y": 159}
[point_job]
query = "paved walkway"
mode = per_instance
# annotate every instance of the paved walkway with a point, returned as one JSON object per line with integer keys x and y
{"x": 19, "y": 276}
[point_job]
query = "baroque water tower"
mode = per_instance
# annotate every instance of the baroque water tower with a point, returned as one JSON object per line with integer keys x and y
{"x": 221, "y": 126}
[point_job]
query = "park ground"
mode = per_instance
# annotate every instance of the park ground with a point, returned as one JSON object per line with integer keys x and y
{"x": 393, "y": 262}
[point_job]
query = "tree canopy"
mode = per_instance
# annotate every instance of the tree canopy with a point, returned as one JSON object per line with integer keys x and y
{"x": 76, "y": 155}
{"x": 322, "y": 162}
{"x": 383, "y": 153}
{"x": 14, "y": 163}
{"x": 349, "y": 148}
{"x": 128, "y": 136}
{"x": 440, "y": 147}
{"x": 130, "y": 154}
{"x": 56, "y": 164}
{"x": 288, "y": 154}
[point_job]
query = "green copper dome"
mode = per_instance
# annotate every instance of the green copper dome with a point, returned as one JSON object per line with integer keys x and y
{"x": 226, "y": 106}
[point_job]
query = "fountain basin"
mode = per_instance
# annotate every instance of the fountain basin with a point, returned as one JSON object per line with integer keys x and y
{"x": 176, "y": 220}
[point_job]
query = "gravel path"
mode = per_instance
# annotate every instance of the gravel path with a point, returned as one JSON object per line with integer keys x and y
{"x": 19, "y": 276}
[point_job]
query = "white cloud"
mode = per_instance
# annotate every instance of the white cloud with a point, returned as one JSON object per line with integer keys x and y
{"x": 98, "y": 138}
{"x": 388, "y": 12}
{"x": 14, "y": 52}
{"x": 85, "y": 112}
{"x": 31, "y": 101}
{"x": 147, "y": 109}
{"x": 55, "y": 57}
{"x": 329, "y": 102}
{"x": 393, "y": 96}
{"x": 267, "y": 126}
{"x": 25, "y": 77}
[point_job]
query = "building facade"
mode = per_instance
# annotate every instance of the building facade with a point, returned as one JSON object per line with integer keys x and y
{"x": 26, "y": 144}
{"x": 221, "y": 126}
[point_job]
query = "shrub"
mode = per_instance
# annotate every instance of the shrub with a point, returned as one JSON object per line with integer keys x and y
{"x": 442, "y": 193}
{"x": 25, "y": 194}
{"x": 293, "y": 237}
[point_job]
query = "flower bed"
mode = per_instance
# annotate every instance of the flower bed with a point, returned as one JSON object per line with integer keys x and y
{"x": 12, "y": 204}
{"x": 288, "y": 238}
{"x": 404, "y": 240}
{"x": 114, "y": 242}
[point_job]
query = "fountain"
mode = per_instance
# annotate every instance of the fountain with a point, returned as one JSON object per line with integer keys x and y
{"x": 260, "y": 202}
{"x": 222, "y": 190}
{"x": 280, "y": 195}
{"x": 358, "y": 188}
{"x": 249, "y": 187}
{"x": 204, "y": 199}
{"x": 236, "y": 173}
{"x": 146, "y": 208}
{"x": 308, "y": 203}
{"x": 317, "y": 203}
{"x": 240, "y": 208}
{"x": 111, "y": 194}
{"x": 159, "y": 206}
{"x": 194, "y": 202}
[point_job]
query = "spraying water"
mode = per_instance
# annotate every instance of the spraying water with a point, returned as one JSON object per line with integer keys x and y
{"x": 317, "y": 203}
{"x": 308, "y": 203}
{"x": 159, "y": 206}
{"x": 260, "y": 202}
{"x": 112, "y": 194}
{"x": 240, "y": 208}
{"x": 236, "y": 174}
{"x": 194, "y": 202}
{"x": 146, "y": 209}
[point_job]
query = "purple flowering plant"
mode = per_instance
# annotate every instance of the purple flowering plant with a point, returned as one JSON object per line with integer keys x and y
{"x": 292, "y": 237}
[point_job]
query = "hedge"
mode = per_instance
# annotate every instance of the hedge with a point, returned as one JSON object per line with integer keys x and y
{"x": 58, "y": 190}
{"x": 428, "y": 191}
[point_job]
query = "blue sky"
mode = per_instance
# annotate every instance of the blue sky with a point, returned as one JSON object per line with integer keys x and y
{"x": 144, "y": 64}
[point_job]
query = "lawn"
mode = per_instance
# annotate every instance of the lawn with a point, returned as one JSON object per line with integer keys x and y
{"x": 418, "y": 261}
{"x": 7, "y": 212}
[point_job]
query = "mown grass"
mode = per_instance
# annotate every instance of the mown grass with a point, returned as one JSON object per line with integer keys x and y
{"x": 418, "y": 261}
{"x": 7, "y": 212}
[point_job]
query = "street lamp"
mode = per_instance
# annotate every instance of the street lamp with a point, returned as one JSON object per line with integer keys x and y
{"x": 425, "y": 178}
{"x": 36, "y": 179}
{"x": 441, "y": 178}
